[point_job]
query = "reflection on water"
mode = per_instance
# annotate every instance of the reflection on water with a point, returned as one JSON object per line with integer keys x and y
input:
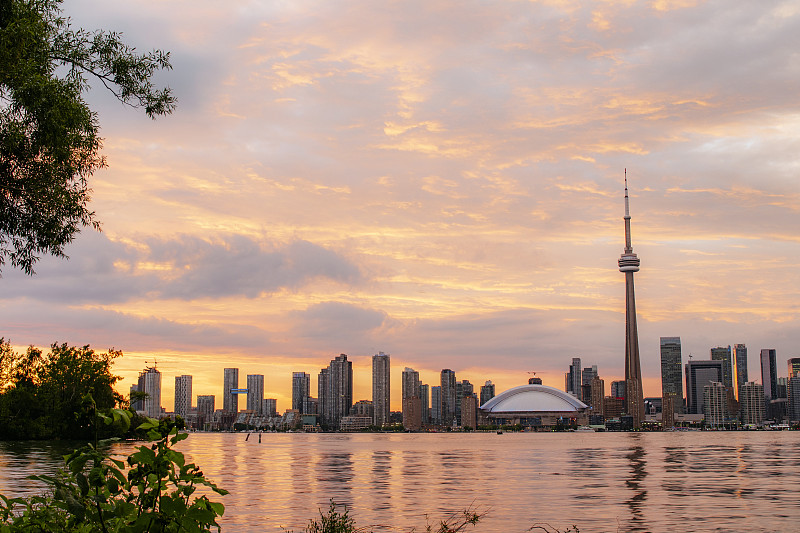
{"x": 597, "y": 481}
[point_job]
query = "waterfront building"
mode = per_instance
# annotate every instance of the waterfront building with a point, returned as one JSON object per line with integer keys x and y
{"x": 425, "y": 394}
{"x": 463, "y": 389}
{"x": 205, "y": 410}
{"x": 618, "y": 389}
{"x": 739, "y": 374}
{"x": 255, "y": 393}
{"x": 230, "y": 382}
{"x": 149, "y": 383}
{"x": 448, "y": 396}
{"x": 183, "y": 395}
{"x": 587, "y": 374}
{"x": 270, "y": 407}
{"x": 628, "y": 264}
{"x": 751, "y": 403}
{"x": 722, "y": 353}
{"x": 598, "y": 393}
{"x": 469, "y": 410}
{"x": 573, "y": 378}
{"x": 411, "y": 399}
{"x": 769, "y": 374}
{"x": 355, "y": 423}
{"x": 535, "y": 406}
{"x": 698, "y": 375}
{"x": 336, "y": 390}
{"x": 794, "y": 366}
{"x": 301, "y": 391}
{"x": 715, "y": 404}
{"x": 613, "y": 407}
{"x": 363, "y": 408}
{"x": 381, "y": 391}
{"x": 487, "y": 392}
{"x": 793, "y": 397}
{"x": 667, "y": 411}
{"x": 436, "y": 405}
{"x": 672, "y": 370}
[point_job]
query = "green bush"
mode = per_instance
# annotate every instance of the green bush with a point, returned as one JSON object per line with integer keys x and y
{"x": 94, "y": 494}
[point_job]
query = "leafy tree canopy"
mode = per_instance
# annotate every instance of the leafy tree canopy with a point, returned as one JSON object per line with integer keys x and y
{"x": 49, "y": 142}
{"x": 45, "y": 395}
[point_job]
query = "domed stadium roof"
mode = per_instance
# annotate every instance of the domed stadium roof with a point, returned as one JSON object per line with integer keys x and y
{"x": 533, "y": 399}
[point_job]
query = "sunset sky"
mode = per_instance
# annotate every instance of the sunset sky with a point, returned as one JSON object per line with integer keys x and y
{"x": 440, "y": 181}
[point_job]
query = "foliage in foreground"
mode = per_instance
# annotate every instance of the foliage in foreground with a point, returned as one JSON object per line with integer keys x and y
{"x": 94, "y": 494}
{"x": 49, "y": 137}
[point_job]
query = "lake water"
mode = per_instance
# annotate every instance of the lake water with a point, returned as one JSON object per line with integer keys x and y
{"x": 692, "y": 481}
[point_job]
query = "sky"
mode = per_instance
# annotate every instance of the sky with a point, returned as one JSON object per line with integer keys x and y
{"x": 438, "y": 180}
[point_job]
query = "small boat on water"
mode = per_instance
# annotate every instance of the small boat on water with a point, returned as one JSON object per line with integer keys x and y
{"x": 586, "y": 429}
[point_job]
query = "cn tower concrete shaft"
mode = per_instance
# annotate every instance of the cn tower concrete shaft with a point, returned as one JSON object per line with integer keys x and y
{"x": 629, "y": 263}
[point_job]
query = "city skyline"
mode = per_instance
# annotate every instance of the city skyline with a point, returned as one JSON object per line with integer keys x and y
{"x": 356, "y": 178}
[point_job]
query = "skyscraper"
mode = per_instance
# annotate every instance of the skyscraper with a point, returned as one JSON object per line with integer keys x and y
{"x": 322, "y": 394}
{"x": 301, "y": 390}
{"x": 183, "y": 395}
{"x": 205, "y": 408}
{"x": 587, "y": 375}
{"x": 336, "y": 390}
{"x": 230, "y": 381}
{"x": 794, "y": 366}
{"x": 425, "y": 392}
{"x": 698, "y": 375}
{"x": 723, "y": 354}
{"x": 672, "y": 371}
{"x": 618, "y": 389}
{"x": 751, "y": 402}
{"x": 487, "y": 392}
{"x": 448, "y": 393}
{"x": 629, "y": 263}
{"x": 739, "y": 357}
{"x": 381, "y": 391}
{"x": 255, "y": 393}
{"x": 149, "y": 383}
{"x": 436, "y": 404}
{"x": 769, "y": 374}
{"x": 412, "y": 399}
{"x": 573, "y": 378}
{"x": 715, "y": 404}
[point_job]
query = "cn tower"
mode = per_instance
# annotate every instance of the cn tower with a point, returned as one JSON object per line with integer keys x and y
{"x": 629, "y": 263}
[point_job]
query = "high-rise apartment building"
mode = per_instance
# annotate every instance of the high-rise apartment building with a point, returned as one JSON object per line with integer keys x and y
{"x": 230, "y": 382}
{"x": 751, "y": 403}
{"x": 698, "y": 375}
{"x": 722, "y": 353}
{"x": 381, "y": 390}
{"x": 411, "y": 399}
{"x": 793, "y": 400}
{"x": 149, "y": 383}
{"x": 436, "y": 405}
{"x": 205, "y": 407}
{"x": 769, "y": 374}
{"x": 739, "y": 357}
{"x": 587, "y": 375}
{"x": 301, "y": 391}
{"x": 598, "y": 394}
{"x": 183, "y": 395}
{"x": 255, "y": 393}
{"x": 715, "y": 404}
{"x": 487, "y": 392}
{"x": 573, "y": 378}
{"x": 628, "y": 264}
{"x": 336, "y": 390}
{"x": 448, "y": 396}
{"x": 672, "y": 370}
{"x": 463, "y": 389}
{"x": 469, "y": 410}
{"x": 794, "y": 366}
{"x": 425, "y": 392}
{"x": 618, "y": 389}
{"x": 270, "y": 407}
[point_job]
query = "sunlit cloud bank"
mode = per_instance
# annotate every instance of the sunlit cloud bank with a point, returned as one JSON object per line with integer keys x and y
{"x": 441, "y": 181}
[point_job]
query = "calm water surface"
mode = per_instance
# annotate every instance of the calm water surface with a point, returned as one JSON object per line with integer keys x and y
{"x": 694, "y": 481}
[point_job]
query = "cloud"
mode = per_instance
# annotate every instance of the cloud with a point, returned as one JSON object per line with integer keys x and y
{"x": 185, "y": 267}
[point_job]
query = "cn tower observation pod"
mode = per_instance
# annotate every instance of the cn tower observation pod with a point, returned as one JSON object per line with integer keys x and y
{"x": 535, "y": 406}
